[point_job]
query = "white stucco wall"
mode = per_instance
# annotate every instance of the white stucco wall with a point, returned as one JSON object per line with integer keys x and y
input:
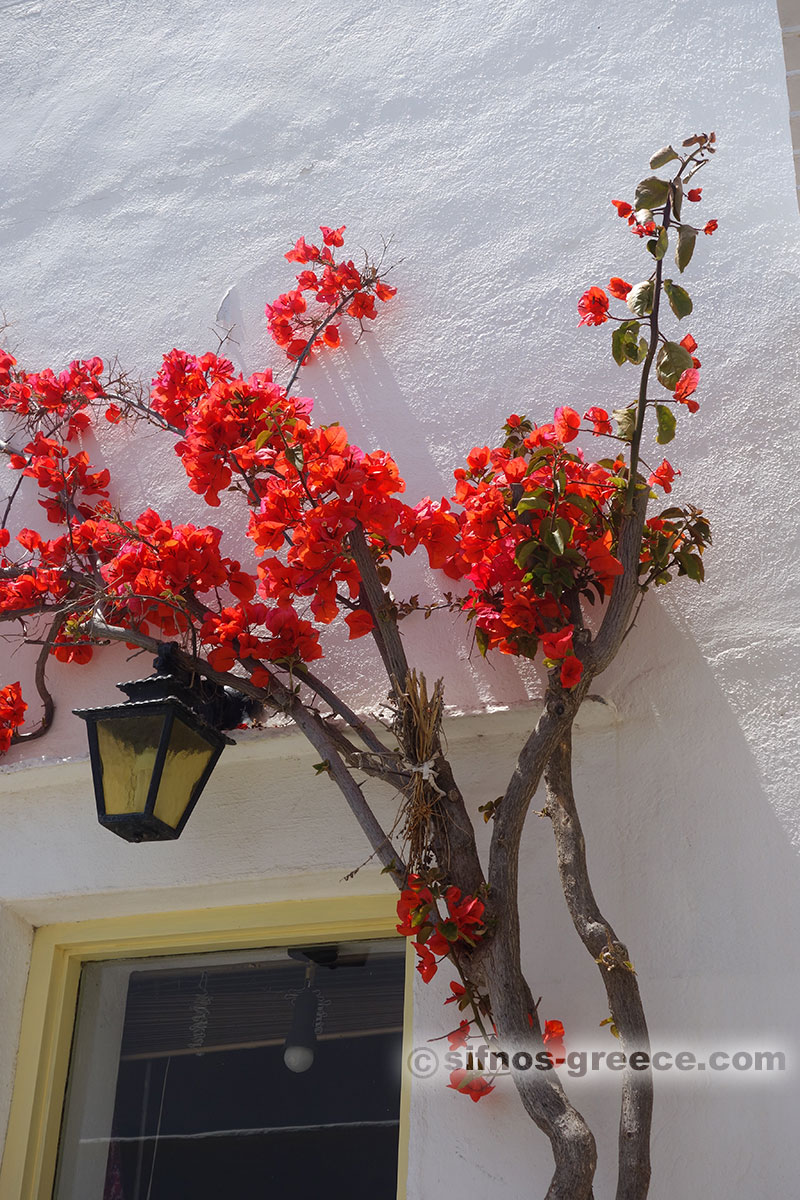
{"x": 157, "y": 161}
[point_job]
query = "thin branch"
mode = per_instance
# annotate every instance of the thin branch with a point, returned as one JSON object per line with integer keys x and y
{"x": 309, "y": 344}
{"x": 359, "y": 726}
{"x": 385, "y": 631}
{"x": 371, "y": 763}
{"x": 9, "y": 502}
{"x": 48, "y": 704}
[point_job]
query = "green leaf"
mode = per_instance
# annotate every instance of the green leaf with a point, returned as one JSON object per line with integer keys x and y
{"x": 263, "y": 438}
{"x": 662, "y": 157}
{"x": 295, "y": 456}
{"x": 651, "y": 192}
{"x": 679, "y": 299}
{"x": 658, "y": 245}
{"x": 584, "y": 503}
{"x": 623, "y": 342}
{"x": 481, "y": 640}
{"x": 524, "y": 551}
{"x": 666, "y": 424}
{"x": 563, "y": 527}
{"x": 322, "y": 768}
{"x": 626, "y": 422}
{"x": 671, "y": 361}
{"x": 676, "y": 189}
{"x": 691, "y": 565}
{"x": 640, "y": 298}
{"x": 554, "y": 540}
{"x": 641, "y": 351}
{"x": 528, "y": 502}
{"x": 687, "y": 237}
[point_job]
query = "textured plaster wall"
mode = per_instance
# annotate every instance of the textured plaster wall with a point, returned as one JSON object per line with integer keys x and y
{"x": 156, "y": 162}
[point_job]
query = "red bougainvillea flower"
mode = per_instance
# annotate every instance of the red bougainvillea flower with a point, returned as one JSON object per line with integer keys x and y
{"x": 686, "y": 385}
{"x": 600, "y": 419}
{"x": 623, "y": 208}
{"x": 466, "y": 913}
{"x": 359, "y": 623}
{"x": 567, "y": 423}
{"x": 427, "y": 965}
{"x": 605, "y": 566}
{"x": 459, "y": 1037}
{"x": 593, "y": 307}
{"x": 694, "y": 194}
{"x": 690, "y": 344}
{"x": 362, "y": 305}
{"x": 553, "y": 1038}
{"x": 301, "y": 252}
{"x": 618, "y": 287}
{"x": 413, "y": 907}
{"x": 471, "y": 1084}
{"x": 558, "y": 644}
{"x": 710, "y": 226}
{"x": 663, "y": 476}
{"x": 12, "y": 713}
{"x": 571, "y": 671}
{"x": 458, "y": 991}
{"x": 332, "y": 237}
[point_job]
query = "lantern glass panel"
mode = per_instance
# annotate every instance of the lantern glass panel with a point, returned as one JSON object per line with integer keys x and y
{"x": 128, "y": 747}
{"x": 188, "y": 755}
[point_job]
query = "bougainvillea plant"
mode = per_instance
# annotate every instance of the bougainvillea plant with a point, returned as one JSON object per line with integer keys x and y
{"x": 536, "y": 531}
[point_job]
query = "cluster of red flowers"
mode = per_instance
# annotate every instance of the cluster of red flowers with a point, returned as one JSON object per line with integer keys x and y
{"x": 535, "y": 522}
{"x": 45, "y": 395}
{"x": 333, "y": 289}
{"x": 435, "y": 936}
{"x": 12, "y": 713}
{"x": 648, "y": 228}
{"x": 63, "y": 475}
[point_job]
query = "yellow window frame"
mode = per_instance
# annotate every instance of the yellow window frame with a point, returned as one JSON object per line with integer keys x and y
{"x": 48, "y": 1019}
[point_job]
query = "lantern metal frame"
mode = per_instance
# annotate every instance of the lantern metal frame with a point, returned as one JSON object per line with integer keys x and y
{"x": 168, "y": 693}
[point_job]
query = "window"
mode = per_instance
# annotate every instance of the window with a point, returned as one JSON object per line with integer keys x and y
{"x": 229, "y": 972}
{"x": 179, "y": 1083}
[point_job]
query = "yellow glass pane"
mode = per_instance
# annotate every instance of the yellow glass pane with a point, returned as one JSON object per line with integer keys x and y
{"x": 188, "y": 755}
{"x": 128, "y": 749}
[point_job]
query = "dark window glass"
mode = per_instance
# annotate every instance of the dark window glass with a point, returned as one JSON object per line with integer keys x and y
{"x": 179, "y": 1088}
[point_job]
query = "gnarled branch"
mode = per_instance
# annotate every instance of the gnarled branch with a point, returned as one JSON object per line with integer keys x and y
{"x": 619, "y": 979}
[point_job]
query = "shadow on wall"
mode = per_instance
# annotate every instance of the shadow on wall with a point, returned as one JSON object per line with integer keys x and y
{"x": 707, "y": 879}
{"x": 699, "y": 878}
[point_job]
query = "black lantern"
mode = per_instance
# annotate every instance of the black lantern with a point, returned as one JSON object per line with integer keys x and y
{"x": 152, "y": 755}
